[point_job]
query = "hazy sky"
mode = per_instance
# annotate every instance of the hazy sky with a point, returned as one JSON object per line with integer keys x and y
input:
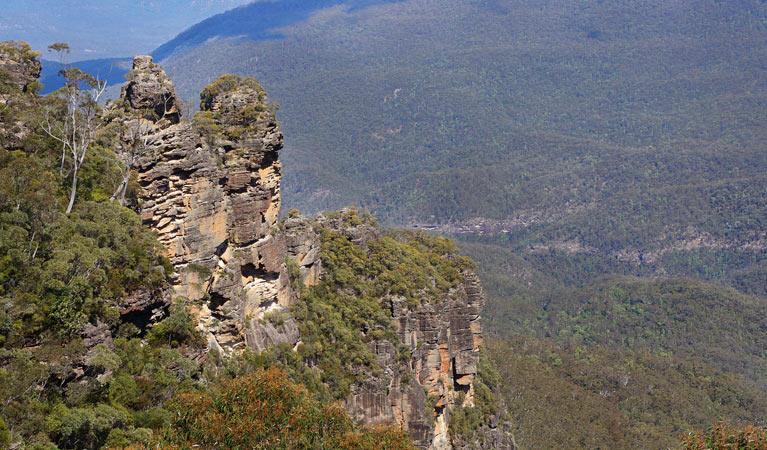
{"x": 104, "y": 28}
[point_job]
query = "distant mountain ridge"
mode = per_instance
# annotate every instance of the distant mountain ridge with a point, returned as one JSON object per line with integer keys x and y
{"x": 97, "y": 29}
{"x": 112, "y": 70}
{"x": 254, "y": 21}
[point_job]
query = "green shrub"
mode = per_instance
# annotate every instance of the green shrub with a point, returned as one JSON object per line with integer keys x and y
{"x": 228, "y": 83}
{"x": 265, "y": 411}
{"x": 87, "y": 427}
{"x": 5, "y": 435}
{"x": 179, "y": 328}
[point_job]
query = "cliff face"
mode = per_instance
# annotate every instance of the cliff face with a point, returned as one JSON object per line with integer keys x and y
{"x": 443, "y": 339}
{"x": 213, "y": 199}
{"x": 210, "y": 187}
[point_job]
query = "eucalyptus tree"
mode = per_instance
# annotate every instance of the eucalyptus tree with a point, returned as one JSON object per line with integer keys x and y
{"x": 73, "y": 117}
{"x": 135, "y": 141}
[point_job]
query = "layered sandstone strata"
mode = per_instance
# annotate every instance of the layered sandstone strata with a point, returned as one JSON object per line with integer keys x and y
{"x": 213, "y": 199}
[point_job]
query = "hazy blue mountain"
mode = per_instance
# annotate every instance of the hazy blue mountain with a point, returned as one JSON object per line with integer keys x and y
{"x": 112, "y": 70}
{"x": 103, "y": 29}
{"x": 255, "y": 21}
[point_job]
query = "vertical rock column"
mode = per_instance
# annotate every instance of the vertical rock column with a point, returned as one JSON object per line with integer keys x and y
{"x": 211, "y": 190}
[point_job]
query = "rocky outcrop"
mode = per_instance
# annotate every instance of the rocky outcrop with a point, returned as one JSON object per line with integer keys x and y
{"x": 19, "y": 66}
{"x": 144, "y": 307}
{"x": 442, "y": 338}
{"x": 213, "y": 199}
{"x": 19, "y": 71}
{"x": 211, "y": 191}
{"x": 493, "y": 435}
{"x": 148, "y": 88}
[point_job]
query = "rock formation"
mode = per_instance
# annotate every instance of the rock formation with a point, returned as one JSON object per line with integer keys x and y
{"x": 213, "y": 199}
{"x": 19, "y": 71}
{"x": 211, "y": 190}
{"x": 443, "y": 339}
{"x": 149, "y": 88}
{"x": 16, "y": 64}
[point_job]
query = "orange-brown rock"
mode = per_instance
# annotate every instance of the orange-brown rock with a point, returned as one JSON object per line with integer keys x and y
{"x": 213, "y": 198}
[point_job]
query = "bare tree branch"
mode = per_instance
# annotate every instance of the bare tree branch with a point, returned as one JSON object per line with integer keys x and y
{"x": 135, "y": 143}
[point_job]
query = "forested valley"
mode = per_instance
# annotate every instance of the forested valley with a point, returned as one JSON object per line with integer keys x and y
{"x": 602, "y": 164}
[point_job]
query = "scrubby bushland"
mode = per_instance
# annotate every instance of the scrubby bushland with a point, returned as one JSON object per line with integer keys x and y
{"x": 266, "y": 411}
{"x": 723, "y": 436}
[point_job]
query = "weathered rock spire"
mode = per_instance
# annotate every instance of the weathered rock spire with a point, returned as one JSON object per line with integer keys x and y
{"x": 211, "y": 190}
{"x": 149, "y": 88}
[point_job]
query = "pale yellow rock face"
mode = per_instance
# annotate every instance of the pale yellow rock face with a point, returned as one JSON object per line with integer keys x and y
{"x": 213, "y": 197}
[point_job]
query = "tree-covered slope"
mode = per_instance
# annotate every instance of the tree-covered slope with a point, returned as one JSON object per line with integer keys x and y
{"x": 636, "y": 361}
{"x": 623, "y": 133}
{"x": 691, "y": 319}
{"x": 695, "y": 321}
{"x": 633, "y": 361}
{"x": 588, "y": 397}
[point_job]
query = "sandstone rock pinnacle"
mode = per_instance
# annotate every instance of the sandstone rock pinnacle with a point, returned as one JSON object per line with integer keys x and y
{"x": 149, "y": 88}
{"x": 211, "y": 191}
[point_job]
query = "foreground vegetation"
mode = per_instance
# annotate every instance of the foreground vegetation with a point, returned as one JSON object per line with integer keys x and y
{"x": 265, "y": 411}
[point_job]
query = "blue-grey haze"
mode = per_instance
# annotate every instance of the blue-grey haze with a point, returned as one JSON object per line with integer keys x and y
{"x": 104, "y": 29}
